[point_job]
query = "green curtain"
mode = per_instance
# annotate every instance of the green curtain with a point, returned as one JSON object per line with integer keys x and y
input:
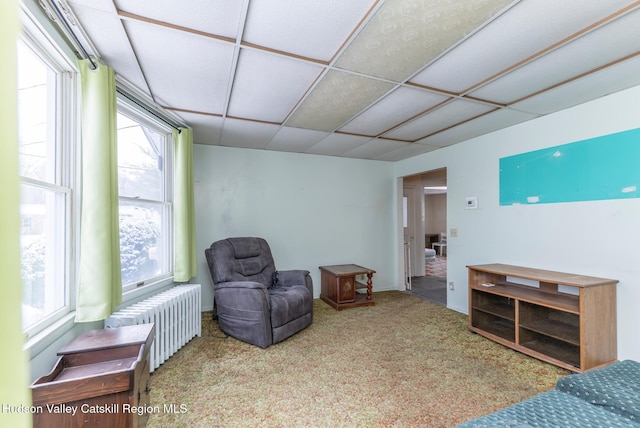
{"x": 14, "y": 369}
{"x": 183, "y": 207}
{"x": 100, "y": 283}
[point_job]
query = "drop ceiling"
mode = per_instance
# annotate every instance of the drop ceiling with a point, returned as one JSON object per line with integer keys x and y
{"x": 384, "y": 80}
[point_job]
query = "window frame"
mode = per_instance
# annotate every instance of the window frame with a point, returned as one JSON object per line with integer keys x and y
{"x": 139, "y": 114}
{"x": 66, "y": 121}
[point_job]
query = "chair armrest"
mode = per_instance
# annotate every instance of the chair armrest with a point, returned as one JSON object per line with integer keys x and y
{"x": 295, "y": 277}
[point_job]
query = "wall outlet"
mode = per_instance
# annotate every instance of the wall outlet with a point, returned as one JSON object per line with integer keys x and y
{"x": 452, "y": 285}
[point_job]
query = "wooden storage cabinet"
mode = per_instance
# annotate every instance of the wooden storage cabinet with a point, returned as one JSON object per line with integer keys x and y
{"x": 101, "y": 379}
{"x": 339, "y": 286}
{"x": 564, "y": 319}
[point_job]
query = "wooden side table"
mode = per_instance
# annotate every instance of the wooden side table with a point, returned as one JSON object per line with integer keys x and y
{"x": 339, "y": 286}
{"x": 100, "y": 379}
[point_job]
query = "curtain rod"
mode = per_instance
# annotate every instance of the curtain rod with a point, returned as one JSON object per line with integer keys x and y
{"x": 148, "y": 109}
{"x": 93, "y": 66}
{"x": 70, "y": 32}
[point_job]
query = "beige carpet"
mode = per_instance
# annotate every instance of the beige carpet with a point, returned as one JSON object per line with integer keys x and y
{"x": 405, "y": 362}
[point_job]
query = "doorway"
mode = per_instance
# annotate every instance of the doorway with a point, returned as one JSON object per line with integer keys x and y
{"x": 425, "y": 227}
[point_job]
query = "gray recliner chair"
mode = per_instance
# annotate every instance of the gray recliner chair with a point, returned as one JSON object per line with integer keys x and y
{"x": 256, "y": 303}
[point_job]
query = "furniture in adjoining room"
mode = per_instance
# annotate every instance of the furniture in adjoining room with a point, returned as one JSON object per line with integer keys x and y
{"x": 429, "y": 255}
{"x": 340, "y": 285}
{"x": 256, "y": 303}
{"x": 430, "y": 238}
{"x": 441, "y": 245}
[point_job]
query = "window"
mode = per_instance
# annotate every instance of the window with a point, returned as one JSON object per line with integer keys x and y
{"x": 49, "y": 166}
{"x": 45, "y": 138}
{"x": 144, "y": 177}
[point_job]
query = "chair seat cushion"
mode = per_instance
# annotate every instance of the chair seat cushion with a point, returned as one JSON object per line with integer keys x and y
{"x": 289, "y": 303}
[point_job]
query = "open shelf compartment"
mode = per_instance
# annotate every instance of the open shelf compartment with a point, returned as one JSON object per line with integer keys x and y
{"x": 551, "y": 347}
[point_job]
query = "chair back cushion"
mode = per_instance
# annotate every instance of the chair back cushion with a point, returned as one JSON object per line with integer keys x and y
{"x": 241, "y": 259}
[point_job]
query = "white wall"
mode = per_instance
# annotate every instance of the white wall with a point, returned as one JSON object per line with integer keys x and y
{"x": 596, "y": 238}
{"x": 313, "y": 210}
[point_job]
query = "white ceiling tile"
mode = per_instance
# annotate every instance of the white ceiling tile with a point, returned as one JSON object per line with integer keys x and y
{"x": 312, "y": 29}
{"x": 489, "y": 51}
{"x": 375, "y": 148}
{"x": 248, "y": 134}
{"x": 108, "y": 36}
{"x": 196, "y": 79}
{"x": 220, "y": 17}
{"x": 408, "y": 151}
{"x": 499, "y": 119}
{"x": 441, "y": 118}
{"x": 582, "y": 55}
{"x": 206, "y": 128}
{"x": 337, "y": 144}
{"x": 400, "y": 105}
{"x": 404, "y": 35}
{"x": 271, "y": 93}
{"x": 612, "y": 79}
{"x": 174, "y": 52}
{"x": 295, "y": 139}
{"x": 103, "y": 5}
{"x": 337, "y": 98}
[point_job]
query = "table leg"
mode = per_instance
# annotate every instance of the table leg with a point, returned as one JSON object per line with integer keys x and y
{"x": 369, "y": 285}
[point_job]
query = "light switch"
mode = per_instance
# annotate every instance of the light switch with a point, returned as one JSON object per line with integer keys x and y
{"x": 453, "y": 232}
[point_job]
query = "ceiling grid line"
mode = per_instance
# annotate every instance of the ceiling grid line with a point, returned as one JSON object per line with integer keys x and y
{"x": 371, "y": 79}
{"x": 331, "y": 64}
{"x": 561, "y": 43}
{"x": 577, "y": 77}
{"x": 236, "y": 55}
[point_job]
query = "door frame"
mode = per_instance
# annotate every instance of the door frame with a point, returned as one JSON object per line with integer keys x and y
{"x": 415, "y": 182}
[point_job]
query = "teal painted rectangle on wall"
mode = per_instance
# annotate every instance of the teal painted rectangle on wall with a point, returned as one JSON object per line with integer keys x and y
{"x": 600, "y": 168}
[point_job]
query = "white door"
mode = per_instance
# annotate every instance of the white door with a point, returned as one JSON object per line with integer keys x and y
{"x": 412, "y": 230}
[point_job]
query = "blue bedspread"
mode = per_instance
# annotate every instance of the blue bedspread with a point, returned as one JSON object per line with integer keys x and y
{"x": 552, "y": 409}
{"x": 615, "y": 388}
